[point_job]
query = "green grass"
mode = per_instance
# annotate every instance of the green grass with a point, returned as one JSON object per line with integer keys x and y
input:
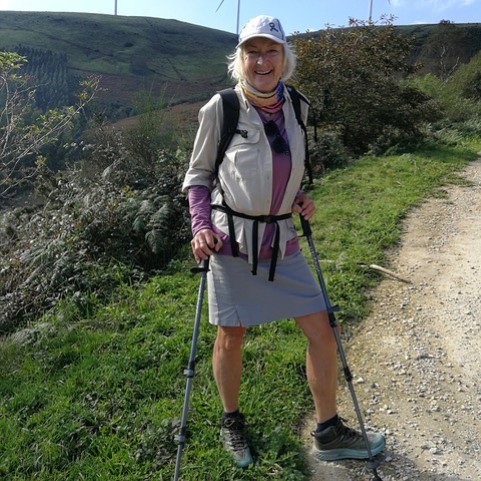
{"x": 360, "y": 210}
{"x": 99, "y": 398}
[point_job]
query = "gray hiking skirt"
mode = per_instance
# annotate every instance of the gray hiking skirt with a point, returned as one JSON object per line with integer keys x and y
{"x": 238, "y": 298}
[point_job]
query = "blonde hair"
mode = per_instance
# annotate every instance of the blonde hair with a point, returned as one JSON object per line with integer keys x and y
{"x": 235, "y": 66}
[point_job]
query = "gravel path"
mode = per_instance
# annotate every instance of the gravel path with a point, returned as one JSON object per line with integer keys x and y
{"x": 416, "y": 360}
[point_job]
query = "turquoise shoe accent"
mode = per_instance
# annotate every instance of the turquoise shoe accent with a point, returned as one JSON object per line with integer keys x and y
{"x": 341, "y": 442}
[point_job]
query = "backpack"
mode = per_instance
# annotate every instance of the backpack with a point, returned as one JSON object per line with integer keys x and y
{"x": 230, "y": 106}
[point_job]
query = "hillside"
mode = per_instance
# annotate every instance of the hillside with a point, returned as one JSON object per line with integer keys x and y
{"x": 182, "y": 62}
{"x": 454, "y": 43}
{"x": 132, "y": 54}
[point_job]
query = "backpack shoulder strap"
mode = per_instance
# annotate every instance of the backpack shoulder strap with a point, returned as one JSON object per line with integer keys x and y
{"x": 230, "y": 107}
{"x": 296, "y": 98}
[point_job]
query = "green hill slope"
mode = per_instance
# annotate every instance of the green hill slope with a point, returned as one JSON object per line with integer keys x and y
{"x": 131, "y": 53}
{"x": 181, "y": 61}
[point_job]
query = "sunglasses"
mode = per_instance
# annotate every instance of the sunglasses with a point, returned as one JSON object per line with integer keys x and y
{"x": 279, "y": 145}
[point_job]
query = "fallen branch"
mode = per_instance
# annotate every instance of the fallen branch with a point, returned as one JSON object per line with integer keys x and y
{"x": 375, "y": 267}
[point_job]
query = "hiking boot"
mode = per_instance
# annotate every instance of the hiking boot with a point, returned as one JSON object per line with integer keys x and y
{"x": 341, "y": 442}
{"x": 233, "y": 436}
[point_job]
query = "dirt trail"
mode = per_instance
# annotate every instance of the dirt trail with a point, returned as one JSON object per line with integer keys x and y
{"x": 416, "y": 360}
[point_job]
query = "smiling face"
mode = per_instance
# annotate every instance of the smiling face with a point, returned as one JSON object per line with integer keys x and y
{"x": 263, "y": 63}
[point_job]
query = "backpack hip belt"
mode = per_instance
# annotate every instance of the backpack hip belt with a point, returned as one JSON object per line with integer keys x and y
{"x": 268, "y": 219}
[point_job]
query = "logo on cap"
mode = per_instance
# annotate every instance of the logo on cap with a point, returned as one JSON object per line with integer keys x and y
{"x": 262, "y": 26}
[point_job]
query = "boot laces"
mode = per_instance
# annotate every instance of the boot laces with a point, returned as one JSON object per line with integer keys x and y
{"x": 347, "y": 432}
{"x": 234, "y": 431}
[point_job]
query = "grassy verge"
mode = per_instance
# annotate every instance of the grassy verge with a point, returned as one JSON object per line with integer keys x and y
{"x": 360, "y": 210}
{"x": 99, "y": 398}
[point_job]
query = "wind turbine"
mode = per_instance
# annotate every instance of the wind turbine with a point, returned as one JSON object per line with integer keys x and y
{"x": 115, "y": 11}
{"x": 370, "y": 9}
{"x": 238, "y": 12}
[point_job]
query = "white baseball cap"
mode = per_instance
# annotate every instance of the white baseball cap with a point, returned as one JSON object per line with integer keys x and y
{"x": 262, "y": 26}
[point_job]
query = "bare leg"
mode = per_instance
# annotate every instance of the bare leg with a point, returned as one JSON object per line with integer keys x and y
{"x": 227, "y": 365}
{"x": 321, "y": 363}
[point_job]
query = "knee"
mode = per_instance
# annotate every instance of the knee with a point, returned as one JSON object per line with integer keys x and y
{"x": 317, "y": 329}
{"x": 229, "y": 338}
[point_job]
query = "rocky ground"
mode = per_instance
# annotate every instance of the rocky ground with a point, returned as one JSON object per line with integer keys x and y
{"x": 416, "y": 360}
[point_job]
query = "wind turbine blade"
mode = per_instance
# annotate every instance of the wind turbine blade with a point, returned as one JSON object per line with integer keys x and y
{"x": 220, "y": 4}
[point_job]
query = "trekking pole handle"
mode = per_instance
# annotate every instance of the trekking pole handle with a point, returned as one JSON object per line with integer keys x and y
{"x": 203, "y": 265}
{"x": 306, "y": 226}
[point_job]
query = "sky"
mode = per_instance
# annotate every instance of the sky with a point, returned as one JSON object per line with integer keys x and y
{"x": 295, "y": 16}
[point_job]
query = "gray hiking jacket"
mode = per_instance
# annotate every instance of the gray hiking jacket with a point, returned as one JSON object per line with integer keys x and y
{"x": 245, "y": 174}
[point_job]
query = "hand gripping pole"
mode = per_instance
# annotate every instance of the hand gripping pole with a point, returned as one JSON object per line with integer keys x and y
{"x": 189, "y": 373}
{"x": 307, "y": 232}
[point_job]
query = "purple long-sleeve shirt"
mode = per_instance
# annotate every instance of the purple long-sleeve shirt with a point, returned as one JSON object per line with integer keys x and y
{"x": 200, "y": 208}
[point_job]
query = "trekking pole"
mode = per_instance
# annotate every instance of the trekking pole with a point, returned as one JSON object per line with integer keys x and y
{"x": 306, "y": 229}
{"x": 189, "y": 373}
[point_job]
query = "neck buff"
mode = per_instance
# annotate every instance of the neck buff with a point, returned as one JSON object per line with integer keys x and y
{"x": 269, "y": 102}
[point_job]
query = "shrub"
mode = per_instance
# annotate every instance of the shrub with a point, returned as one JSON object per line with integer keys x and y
{"x": 459, "y": 110}
{"x": 351, "y": 76}
{"x": 109, "y": 219}
{"x": 327, "y": 152}
{"x": 24, "y": 132}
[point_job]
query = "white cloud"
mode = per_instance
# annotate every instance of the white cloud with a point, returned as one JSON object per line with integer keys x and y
{"x": 436, "y": 5}
{"x": 441, "y": 5}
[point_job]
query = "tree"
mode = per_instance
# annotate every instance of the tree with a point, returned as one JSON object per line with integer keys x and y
{"x": 445, "y": 50}
{"x": 23, "y": 132}
{"x": 467, "y": 79}
{"x": 351, "y": 76}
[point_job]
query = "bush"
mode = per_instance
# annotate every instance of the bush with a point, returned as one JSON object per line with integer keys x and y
{"x": 459, "y": 111}
{"x": 328, "y": 152}
{"x": 109, "y": 219}
{"x": 352, "y": 78}
{"x": 25, "y": 132}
